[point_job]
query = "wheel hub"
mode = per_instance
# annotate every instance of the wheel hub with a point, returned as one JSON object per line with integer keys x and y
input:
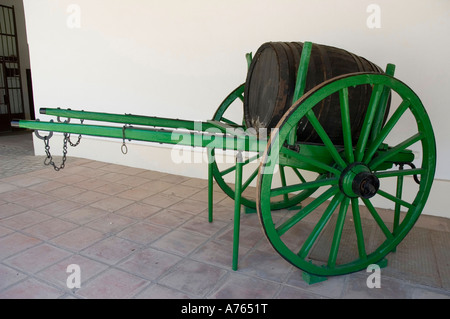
{"x": 357, "y": 180}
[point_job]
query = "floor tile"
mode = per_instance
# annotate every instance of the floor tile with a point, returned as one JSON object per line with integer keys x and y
{"x": 248, "y": 236}
{"x": 15, "y": 196}
{"x": 180, "y": 242}
{"x": 111, "y": 250}
{"x": 112, "y": 204}
{"x": 241, "y": 287}
{"x": 170, "y": 218}
{"x": 149, "y": 263}
{"x": 155, "y": 187}
{"x": 9, "y": 276}
{"x": 84, "y": 171}
{"x": 190, "y": 206}
{"x": 440, "y": 241}
{"x": 77, "y": 239}
{"x": 88, "y": 197}
{"x": 91, "y": 183}
{"x": 59, "y": 207}
{"x": 193, "y": 278}
{"x": 357, "y": 288}
{"x": 46, "y": 186}
{"x": 6, "y": 187}
{"x": 202, "y": 226}
{"x": 162, "y": 200}
{"x": 293, "y": 293}
{"x": 69, "y": 178}
{"x": 132, "y": 181}
{"x": 113, "y": 284}
{"x": 111, "y": 168}
{"x": 113, "y": 176}
{"x": 31, "y": 289}
{"x": 218, "y": 253}
{"x": 173, "y": 179}
{"x": 5, "y": 231}
{"x": 160, "y": 292}
{"x": 26, "y": 219}
{"x": 92, "y": 164}
{"x": 37, "y": 258}
{"x": 110, "y": 224}
{"x": 152, "y": 175}
{"x": 202, "y": 196}
{"x": 50, "y": 228}
{"x": 16, "y": 242}
{"x": 429, "y": 293}
{"x": 66, "y": 192}
{"x": 58, "y": 274}
{"x": 333, "y": 287}
{"x": 196, "y": 182}
{"x": 10, "y": 209}
{"x": 24, "y": 180}
{"x": 112, "y": 189}
{"x": 138, "y": 211}
{"x": 136, "y": 193}
{"x": 143, "y": 233}
{"x": 266, "y": 265}
{"x": 412, "y": 260}
{"x": 84, "y": 215}
{"x": 223, "y": 212}
{"x": 181, "y": 191}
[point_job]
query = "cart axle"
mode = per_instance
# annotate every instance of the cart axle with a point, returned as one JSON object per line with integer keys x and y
{"x": 358, "y": 181}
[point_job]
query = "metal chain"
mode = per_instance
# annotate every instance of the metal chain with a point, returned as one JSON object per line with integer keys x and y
{"x": 78, "y": 141}
{"x": 49, "y": 160}
{"x": 124, "y": 147}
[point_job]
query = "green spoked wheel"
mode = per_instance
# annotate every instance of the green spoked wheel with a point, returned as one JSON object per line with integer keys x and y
{"x": 341, "y": 230}
{"x": 221, "y": 170}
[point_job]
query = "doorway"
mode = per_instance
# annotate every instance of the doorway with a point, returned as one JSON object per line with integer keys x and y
{"x": 11, "y": 92}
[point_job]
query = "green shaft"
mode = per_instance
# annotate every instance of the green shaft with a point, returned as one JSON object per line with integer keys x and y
{"x": 187, "y": 138}
{"x": 127, "y": 119}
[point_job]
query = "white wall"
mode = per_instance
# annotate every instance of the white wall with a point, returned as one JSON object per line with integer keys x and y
{"x": 179, "y": 59}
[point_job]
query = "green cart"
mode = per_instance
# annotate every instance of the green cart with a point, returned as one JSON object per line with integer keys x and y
{"x": 323, "y": 139}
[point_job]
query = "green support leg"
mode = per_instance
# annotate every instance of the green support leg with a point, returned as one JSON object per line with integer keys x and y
{"x": 311, "y": 279}
{"x": 383, "y": 263}
{"x": 248, "y": 210}
{"x": 237, "y": 209}
{"x": 210, "y": 184}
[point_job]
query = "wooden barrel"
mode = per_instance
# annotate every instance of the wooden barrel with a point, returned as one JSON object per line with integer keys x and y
{"x": 271, "y": 82}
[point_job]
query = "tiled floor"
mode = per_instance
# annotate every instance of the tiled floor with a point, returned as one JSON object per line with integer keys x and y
{"x": 144, "y": 234}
